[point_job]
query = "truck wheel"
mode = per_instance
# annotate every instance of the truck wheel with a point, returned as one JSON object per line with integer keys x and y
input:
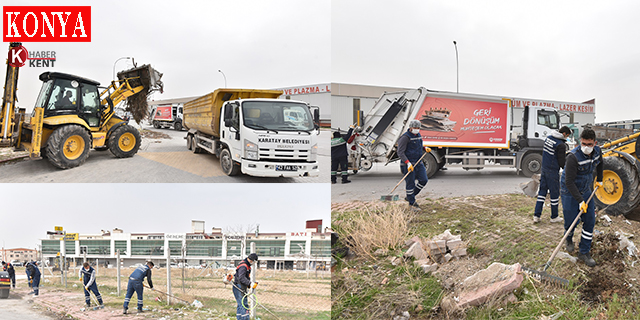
{"x": 621, "y": 186}
{"x": 194, "y": 145}
{"x": 156, "y": 125}
{"x": 4, "y": 293}
{"x": 431, "y": 165}
{"x": 531, "y": 164}
{"x": 124, "y": 142}
{"x": 177, "y": 126}
{"x": 229, "y": 167}
{"x": 68, "y": 146}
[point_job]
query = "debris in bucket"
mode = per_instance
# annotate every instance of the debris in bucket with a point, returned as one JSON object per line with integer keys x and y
{"x": 144, "y": 76}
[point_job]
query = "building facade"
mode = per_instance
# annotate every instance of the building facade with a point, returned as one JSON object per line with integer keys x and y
{"x": 303, "y": 250}
{"x": 19, "y": 254}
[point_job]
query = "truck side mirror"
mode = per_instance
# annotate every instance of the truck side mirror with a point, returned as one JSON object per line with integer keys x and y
{"x": 316, "y": 116}
{"x": 228, "y": 114}
{"x": 227, "y": 122}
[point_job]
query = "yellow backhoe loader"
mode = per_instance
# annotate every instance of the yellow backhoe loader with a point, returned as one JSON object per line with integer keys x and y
{"x": 73, "y": 114}
{"x": 621, "y": 177}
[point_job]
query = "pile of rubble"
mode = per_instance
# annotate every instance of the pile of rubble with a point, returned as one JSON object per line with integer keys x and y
{"x": 429, "y": 253}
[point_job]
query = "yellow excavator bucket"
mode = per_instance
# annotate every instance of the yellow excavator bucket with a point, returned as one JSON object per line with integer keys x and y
{"x": 146, "y": 77}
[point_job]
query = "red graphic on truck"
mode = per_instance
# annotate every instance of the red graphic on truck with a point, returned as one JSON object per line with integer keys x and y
{"x": 463, "y": 121}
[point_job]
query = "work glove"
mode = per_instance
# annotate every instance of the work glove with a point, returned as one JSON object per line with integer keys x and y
{"x": 409, "y": 166}
{"x": 583, "y": 206}
{"x": 351, "y": 126}
{"x": 86, "y": 288}
{"x": 254, "y": 285}
{"x": 599, "y": 184}
{"x": 427, "y": 149}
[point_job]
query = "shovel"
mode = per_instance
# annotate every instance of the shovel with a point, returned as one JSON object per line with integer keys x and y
{"x": 394, "y": 197}
{"x": 543, "y": 275}
{"x": 167, "y": 294}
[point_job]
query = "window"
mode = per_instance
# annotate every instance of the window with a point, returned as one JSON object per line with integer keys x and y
{"x": 63, "y": 96}
{"x": 297, "y": 247}
{"x": 548, "y": 119}
{"x": 268, "y": 248}
{"x": 91, "y": 104}
{"x": 279, "y": 116}
{"x": 320, "y": 248}
{"x": 121, "y": 245}
{"x": 207, "y": 248}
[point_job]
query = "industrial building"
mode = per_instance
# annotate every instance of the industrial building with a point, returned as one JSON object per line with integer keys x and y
{"x": 305, "y": 249}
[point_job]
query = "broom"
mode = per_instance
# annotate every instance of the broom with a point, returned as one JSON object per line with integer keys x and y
{"x": 391, "y": 196}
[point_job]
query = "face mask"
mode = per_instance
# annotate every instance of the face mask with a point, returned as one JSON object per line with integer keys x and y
{"x": 415, "y": 131}
{"x": 586, "y": 150}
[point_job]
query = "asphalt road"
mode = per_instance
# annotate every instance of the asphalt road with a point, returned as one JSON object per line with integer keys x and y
{"x": 454, "y": 182}
{"x": 19, "y": 305}
{"x": 159, "y": 161}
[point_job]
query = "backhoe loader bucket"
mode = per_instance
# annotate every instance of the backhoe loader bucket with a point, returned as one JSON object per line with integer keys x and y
{"x": 149, "y": 79}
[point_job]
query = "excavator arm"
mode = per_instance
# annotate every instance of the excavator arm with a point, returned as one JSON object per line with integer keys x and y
{"x": 7, "y": 111}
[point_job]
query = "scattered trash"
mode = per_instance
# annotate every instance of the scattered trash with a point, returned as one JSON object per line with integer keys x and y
{"x": 197, "y": 304}
{"x": 606, "y": 217}
{"x": 627, "y": 221}
{"x": 625, "y": 243}
{"x": 554, "y": 316}
{"x": 564, "y": 255}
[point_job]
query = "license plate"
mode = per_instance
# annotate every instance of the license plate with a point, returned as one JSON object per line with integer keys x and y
{"x": 286, "y": 168}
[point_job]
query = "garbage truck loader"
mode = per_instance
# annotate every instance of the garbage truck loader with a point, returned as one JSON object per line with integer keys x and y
{"x": 254, "y": 133}
{"x": 73, "y": 114}
{"x": 463, "y": 130}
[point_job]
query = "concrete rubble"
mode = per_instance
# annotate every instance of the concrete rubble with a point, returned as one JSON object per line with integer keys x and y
{"x": 495, "y": 282}
{"x": 440, "y": 249}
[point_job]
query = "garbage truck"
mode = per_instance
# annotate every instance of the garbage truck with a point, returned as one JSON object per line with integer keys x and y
{"x": 73, "y": 115}
{"x": 463, "y": 130}
{"x": 165, "y": 116}
{"x": 254, "y": 133}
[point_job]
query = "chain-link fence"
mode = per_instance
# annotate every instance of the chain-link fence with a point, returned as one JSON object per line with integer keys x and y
{"x": 281, "y": 294}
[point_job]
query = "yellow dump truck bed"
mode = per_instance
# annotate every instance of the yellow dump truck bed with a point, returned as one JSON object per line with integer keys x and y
{"x": 203, "y": 114}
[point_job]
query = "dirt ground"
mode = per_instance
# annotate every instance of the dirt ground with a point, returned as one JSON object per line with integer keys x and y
{"x": 284, "y": 290}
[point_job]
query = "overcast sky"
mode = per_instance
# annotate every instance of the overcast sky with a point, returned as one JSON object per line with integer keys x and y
{"x": 551, "y": 50}
{"x": 30, "y": 210}
{"x": 257, "y": 44}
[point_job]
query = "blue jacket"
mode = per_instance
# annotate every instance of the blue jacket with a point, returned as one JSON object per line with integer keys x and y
{"x": 140, "y": 273}
{"x": 88, "y": 276}
{"x": 410, "y": 147}
{"x": 577, "y": 177}
{"x": 553, "y": 155}
{"x": 32, "y": 271}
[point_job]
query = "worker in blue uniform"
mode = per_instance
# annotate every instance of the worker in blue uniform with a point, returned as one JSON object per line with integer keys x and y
{"x": 88, "y": 276}
{"x": 410, "y": 150}
{"x": 135, "y": 284}
{"x": 553, "y": 158}
{"x": 33, "y": 276}
{"x": 576, "y": 184}
{"x": 241, "y": 284}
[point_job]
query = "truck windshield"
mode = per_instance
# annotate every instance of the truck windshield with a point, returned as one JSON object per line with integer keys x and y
{"x": 279, "y": 116}
{"x": 549, "y": 119}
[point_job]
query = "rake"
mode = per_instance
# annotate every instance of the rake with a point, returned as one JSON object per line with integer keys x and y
{"x": 543, "y": 275}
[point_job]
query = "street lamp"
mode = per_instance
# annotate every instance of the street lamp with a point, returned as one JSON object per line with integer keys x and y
{"x": 114, "y": 66}
{"x": 457, "y": 69}
{"x": 225, "y": 78}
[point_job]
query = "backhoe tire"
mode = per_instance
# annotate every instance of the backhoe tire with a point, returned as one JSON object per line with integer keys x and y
{"x": 229, "y": 167}
{"x": 68, "y": 146}
{"x": 531, "y": 164}
{"x": 621, "y": 186}
{"x": 124, "y": 142}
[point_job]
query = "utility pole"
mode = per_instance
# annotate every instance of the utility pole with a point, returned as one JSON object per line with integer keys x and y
{"x": 457, "y": 69}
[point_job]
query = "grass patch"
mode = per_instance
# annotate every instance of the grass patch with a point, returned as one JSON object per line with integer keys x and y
{"x": 496, "y": 229}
